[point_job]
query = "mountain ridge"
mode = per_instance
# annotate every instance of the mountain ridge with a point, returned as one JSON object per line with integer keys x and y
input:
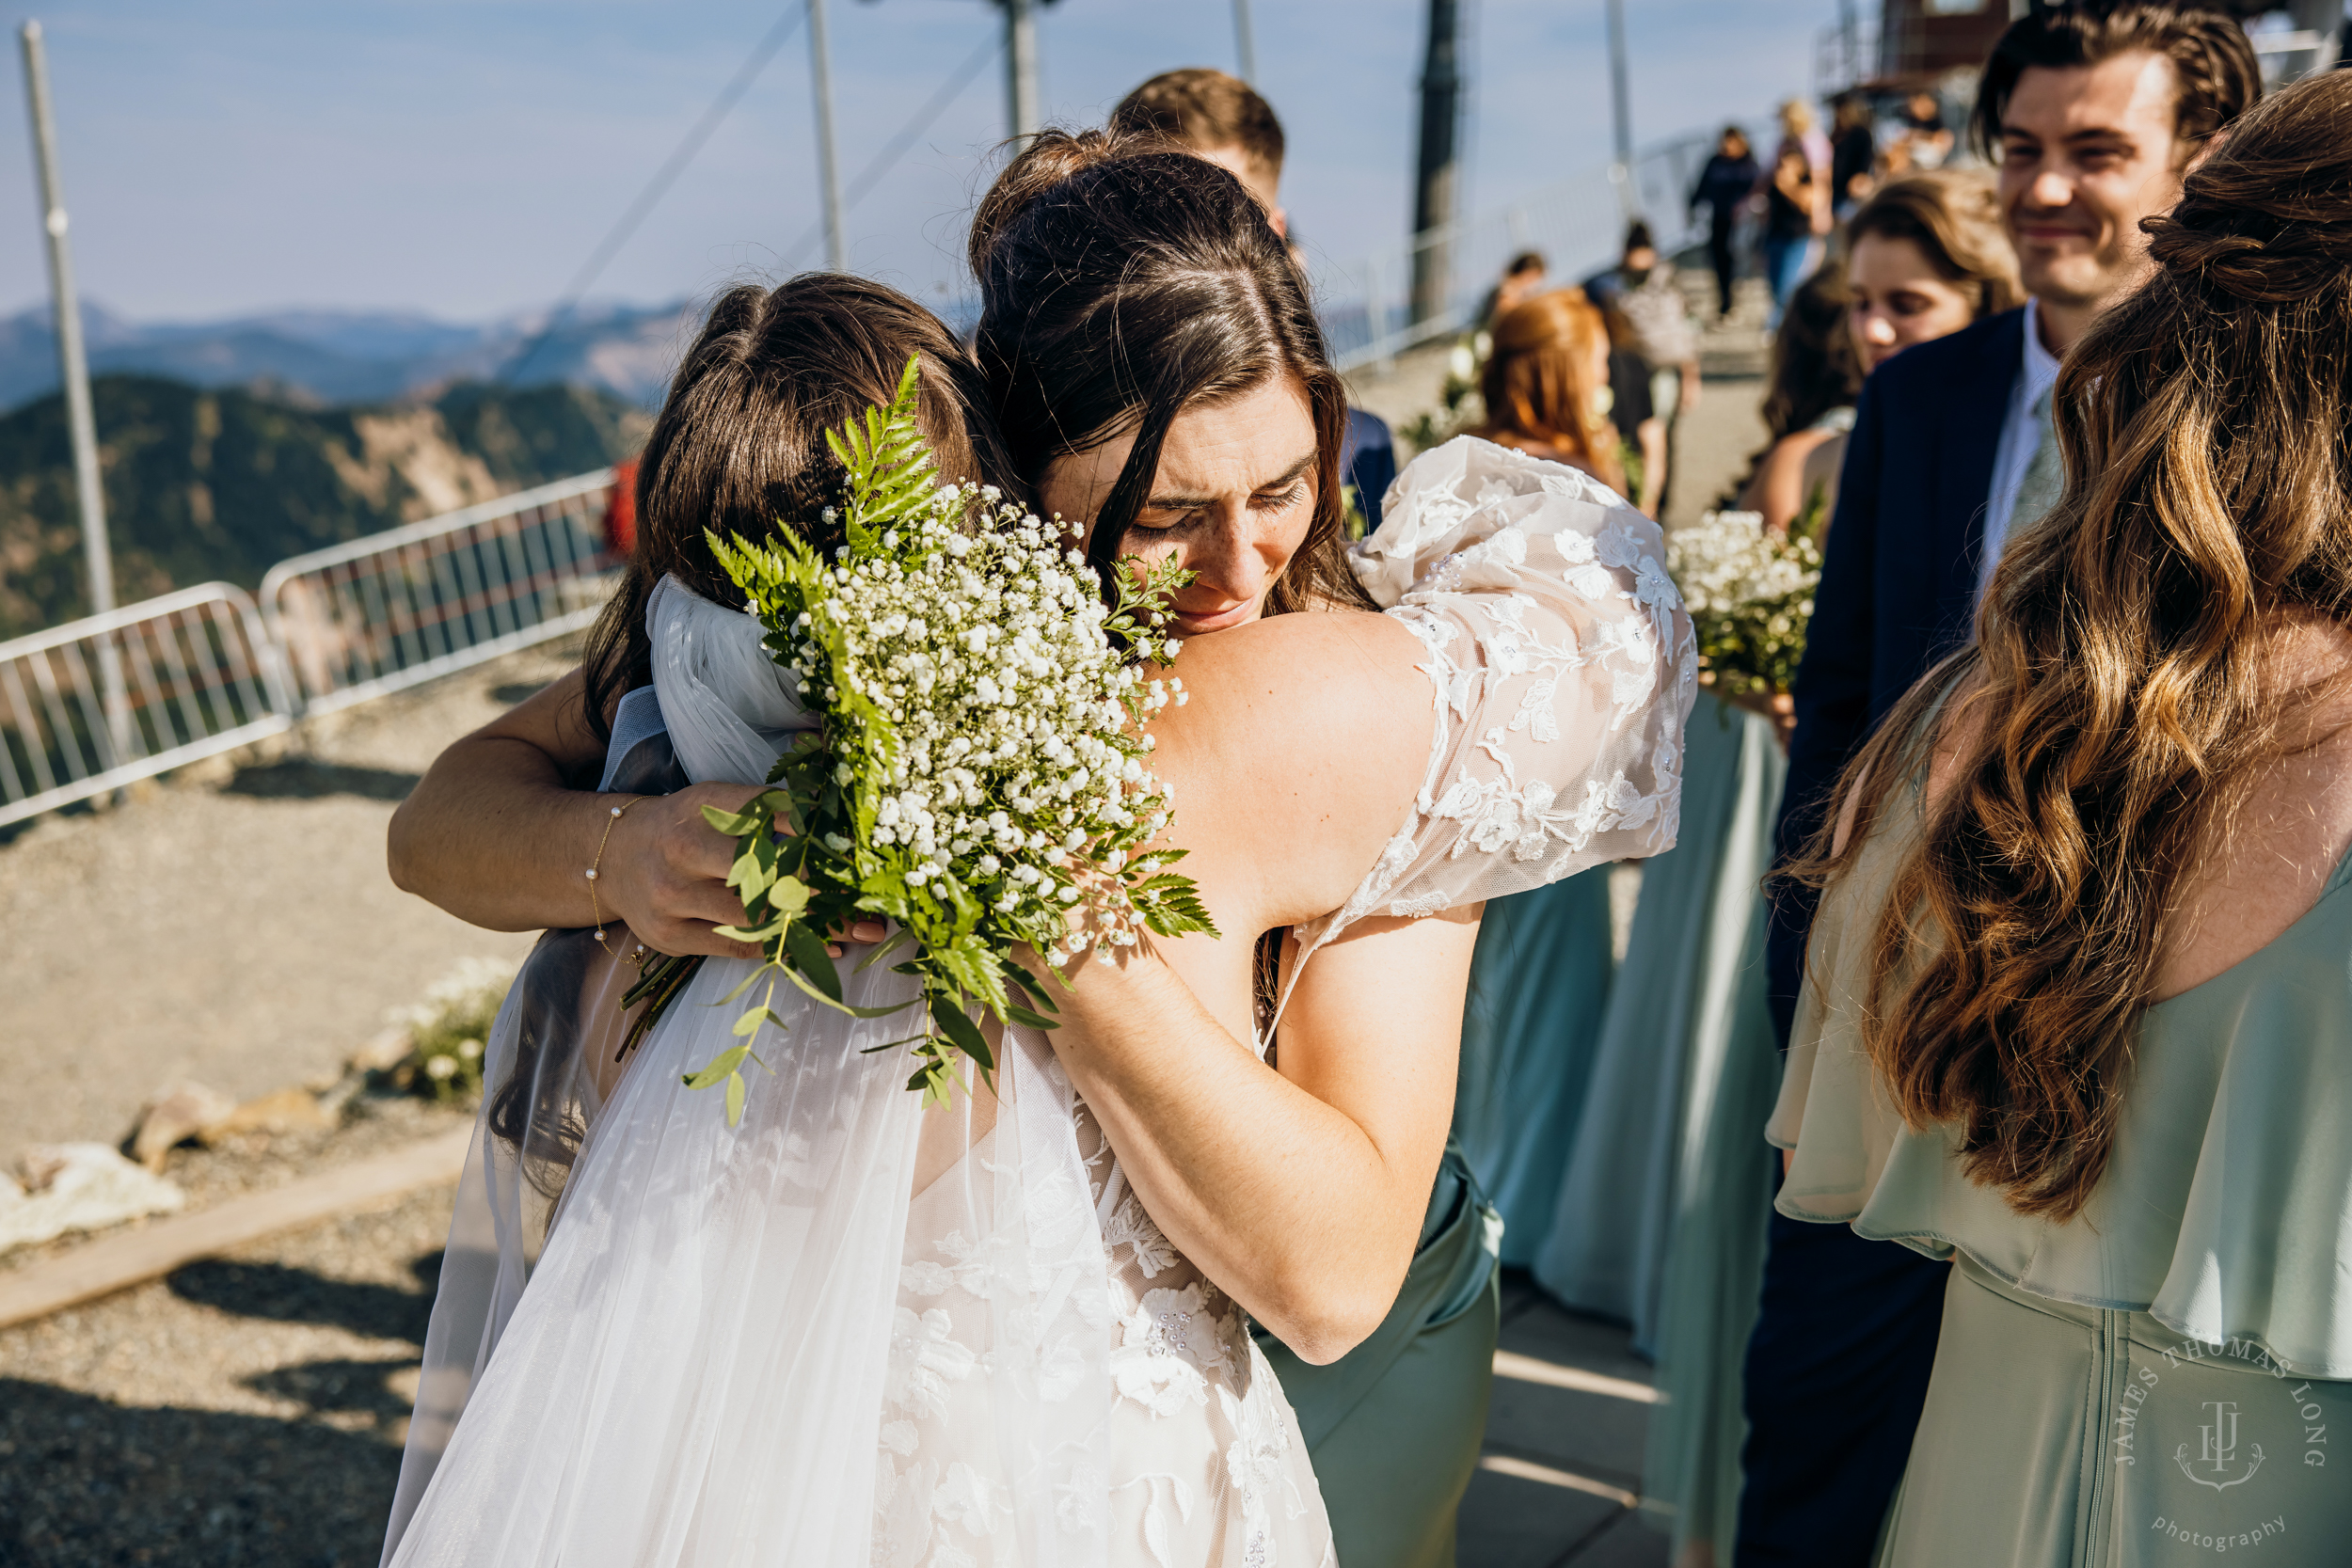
{"x": 332, "y": 357}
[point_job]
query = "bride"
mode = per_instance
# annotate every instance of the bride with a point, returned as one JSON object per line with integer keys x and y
{"x": 1011, "y": 1331}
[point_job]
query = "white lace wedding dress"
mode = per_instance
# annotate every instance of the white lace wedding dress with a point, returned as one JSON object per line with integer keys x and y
{"x": 763, "y": 1345}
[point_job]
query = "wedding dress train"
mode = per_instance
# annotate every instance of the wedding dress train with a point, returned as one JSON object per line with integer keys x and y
{"x": 763, "y": 1345}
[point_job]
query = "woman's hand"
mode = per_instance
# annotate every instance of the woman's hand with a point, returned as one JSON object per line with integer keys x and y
{"x": 493, "y": 835}
{"x": 665, "y": 872}
{"x": 1778, "y": 707}
{"x": 665, "y": 875}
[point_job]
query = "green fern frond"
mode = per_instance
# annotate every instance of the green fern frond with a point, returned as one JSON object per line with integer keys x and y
{"x": 889, "y": 463}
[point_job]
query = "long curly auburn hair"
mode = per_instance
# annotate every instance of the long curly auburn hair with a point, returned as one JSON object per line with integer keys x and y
{"x": 2121, "y": 698}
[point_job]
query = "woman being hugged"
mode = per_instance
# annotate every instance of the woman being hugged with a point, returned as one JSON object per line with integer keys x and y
{"x": 1064, "y": 1375}
{"x": 2076, "y": 1010}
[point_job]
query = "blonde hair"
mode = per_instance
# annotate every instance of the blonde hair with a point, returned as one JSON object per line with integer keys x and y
{"x": 1796, "y": 117}
{"x": 1955, "y": 220}
{"x": 1539, "y": 384}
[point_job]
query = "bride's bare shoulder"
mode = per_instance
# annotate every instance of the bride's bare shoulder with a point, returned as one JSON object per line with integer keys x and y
{"x": 1307, "y": 733}
{"x": 1321, "y": 678}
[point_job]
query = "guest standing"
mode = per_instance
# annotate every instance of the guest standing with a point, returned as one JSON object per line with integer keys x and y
{"x": 2079, "y": 1013}
{"x": 2093, "y": 116}
{"x": 1926, "y": 140}
{"x": 1642, "y": 289}
{"x": 1523, "y": 277}
{"x": 1545, "y": 380}
{"x": 1817, "y": 374}
{"x": 1723, "y": 188}
{"x": 1924, "y": 258}
{"x": 1853, "y": 155}
{"x": 1796, "y": 216}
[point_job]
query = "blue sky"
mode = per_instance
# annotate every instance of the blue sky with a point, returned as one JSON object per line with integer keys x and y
{"x": 463, "y": 157}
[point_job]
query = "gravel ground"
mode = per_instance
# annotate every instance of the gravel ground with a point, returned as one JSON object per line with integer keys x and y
{"x": 246, "y": 1410}
{"x": 233, "y": 925}
{"x": 373, "y": 1124}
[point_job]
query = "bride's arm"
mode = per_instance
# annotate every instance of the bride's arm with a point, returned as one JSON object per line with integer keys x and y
{"x": 493, "y": 835}
{"x": 1300, "y": 1192}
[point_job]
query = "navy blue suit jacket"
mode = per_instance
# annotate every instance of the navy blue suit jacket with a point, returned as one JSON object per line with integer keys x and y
{"x": 1900, "y": 579}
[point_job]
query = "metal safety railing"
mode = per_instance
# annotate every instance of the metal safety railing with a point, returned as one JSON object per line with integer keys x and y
{"x": 396, "y": 608}
{"x": 96, "y": 704}
{"x": 92, "y": 706}
{"x": 1366, "y": 306}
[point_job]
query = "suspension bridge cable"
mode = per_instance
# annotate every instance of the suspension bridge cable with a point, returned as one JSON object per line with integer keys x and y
{"x": 917, "y": 125}
{"x": 681, "y": 155}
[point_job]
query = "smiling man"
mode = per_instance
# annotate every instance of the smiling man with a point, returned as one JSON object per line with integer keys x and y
{"x": 2092, "y": 112}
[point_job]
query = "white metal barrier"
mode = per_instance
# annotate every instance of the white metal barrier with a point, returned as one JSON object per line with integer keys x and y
{"x": 396, "y": 608}
{"x": 96, "y": 704}
{"x": 1366, "y": 304}
{"x": 91, "y": 706}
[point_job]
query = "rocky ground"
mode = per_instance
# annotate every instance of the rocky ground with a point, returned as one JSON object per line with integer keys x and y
{"x": 245, "y": 1410}
{"x": 232, "y": 924}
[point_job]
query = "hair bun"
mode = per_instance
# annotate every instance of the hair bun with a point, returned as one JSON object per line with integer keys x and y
{"x": 2268, "y": 217}
{"x": 2254, "y": 255}
{"x": 1051, "y": 157}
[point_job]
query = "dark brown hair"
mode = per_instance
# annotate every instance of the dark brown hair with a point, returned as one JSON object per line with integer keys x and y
{"x": 739, "y": 445}
{"x": 1539, "y": 387}
{"x": 1204, "y": 110}
{"x": 2123, "y": 695}
{"x": 2212, "y": 62}
{"x": 1955, "y": 220}
{"x": 1121, "y": 284}
{"x": 1814, "y": 368}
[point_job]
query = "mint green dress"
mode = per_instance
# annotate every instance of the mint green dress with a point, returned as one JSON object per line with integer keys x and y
{"x": 1666, "y": 1201}
{"x": 1530, "y": 1023}
{"x": 1688, "y": 1000}
{"x": 2160, "y": 1379}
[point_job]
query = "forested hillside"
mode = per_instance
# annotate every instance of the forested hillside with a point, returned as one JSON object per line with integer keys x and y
{"x": 203, "y": 485}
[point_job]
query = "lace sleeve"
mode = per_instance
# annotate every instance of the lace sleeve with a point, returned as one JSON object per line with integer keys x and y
{"x": 1563, "y": 669}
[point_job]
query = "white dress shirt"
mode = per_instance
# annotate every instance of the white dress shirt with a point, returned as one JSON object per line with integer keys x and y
{"x": 2021, "y": 433}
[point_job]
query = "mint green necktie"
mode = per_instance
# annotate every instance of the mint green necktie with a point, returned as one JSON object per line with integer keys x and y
{"x": 2045, "y": 476}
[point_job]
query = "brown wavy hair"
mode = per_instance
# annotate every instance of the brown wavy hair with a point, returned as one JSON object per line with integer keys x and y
{"x": 739, "y": 445}
{"x": 1955, "y": 220}
{"x": 1122, "y": 283}
{"x": 2122, "y": 697}
{"x": 1539, "y": 384}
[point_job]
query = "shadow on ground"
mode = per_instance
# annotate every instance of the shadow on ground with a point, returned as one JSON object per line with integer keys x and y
{"x": 306, "y": 779}
{"x": 285, "y": 1294}
{"x": 86, "y": 1483}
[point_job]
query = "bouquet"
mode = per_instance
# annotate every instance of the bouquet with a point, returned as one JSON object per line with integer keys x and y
{"x": 979, "y": 779}
{"x": 1750, "y": 594}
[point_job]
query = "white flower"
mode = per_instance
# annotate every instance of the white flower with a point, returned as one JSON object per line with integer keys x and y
{"x": 924, "y": 1358}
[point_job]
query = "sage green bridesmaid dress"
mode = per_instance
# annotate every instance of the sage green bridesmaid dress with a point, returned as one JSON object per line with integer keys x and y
{"x": 1686, "y": 1005}
{"x": 2157, "y": 1381}
{"x": 1539, "y": 990}
{"x": 1395, "y": 1426}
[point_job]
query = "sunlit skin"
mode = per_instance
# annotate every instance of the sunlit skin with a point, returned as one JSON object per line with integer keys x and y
{"x": 2086, "y": 153}
{"x": 1230, "y": 503}
{"x": 1899, "y": 299}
